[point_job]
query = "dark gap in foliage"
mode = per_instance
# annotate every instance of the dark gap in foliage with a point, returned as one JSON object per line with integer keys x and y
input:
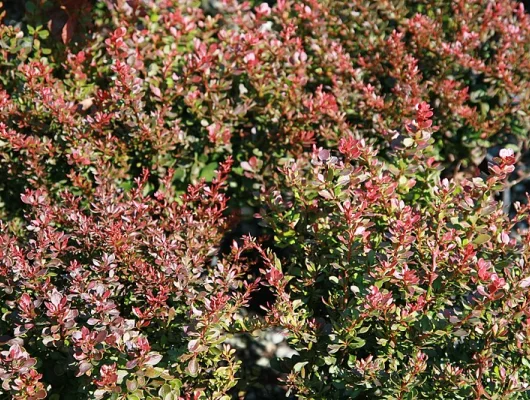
{"x": 246, "y": 227}
{"x": 15, "y": 10}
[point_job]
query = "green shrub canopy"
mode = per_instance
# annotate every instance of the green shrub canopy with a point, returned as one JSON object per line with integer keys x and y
{"x": 136, "y": 138}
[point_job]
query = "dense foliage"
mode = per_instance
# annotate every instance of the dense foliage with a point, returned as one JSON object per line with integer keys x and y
{"x": 399, "y": 285}
{"x": 137, "y": 137}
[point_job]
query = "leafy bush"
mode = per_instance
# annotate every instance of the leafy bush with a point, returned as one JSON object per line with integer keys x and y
{"x": 120, "y": 293}
{"x": 119, "y": 121}
{"x": 162, "y": 84}
{"x": 399, "y": 285}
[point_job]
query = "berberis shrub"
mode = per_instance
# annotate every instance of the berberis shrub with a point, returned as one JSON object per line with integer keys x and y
{"x": 399, "y": 285}
{"x": 119, "y": 294}
{"x": 135, "y": 135}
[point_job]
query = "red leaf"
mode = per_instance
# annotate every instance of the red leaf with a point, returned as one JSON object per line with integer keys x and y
{"x": 68, "y": 29}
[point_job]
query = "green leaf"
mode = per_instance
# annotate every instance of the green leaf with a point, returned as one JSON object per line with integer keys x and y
{"x": 357, "y": 344}
{"x": 333, "y": 348}
{"x": 364, "y": 329}
{"x": 330, "y": 360}
{"x": 151, "y": 372}
{"x": 208, "y": 172}
{"x": 164, "y": 390}
{"x": 461, "y": 333}
{"x": 176, "y": 384}
{"x": 484, "y": 108}
{"x": 298, "y": 366}
{"x": 482, "y": 238}
{"x": 121, "y": 374}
